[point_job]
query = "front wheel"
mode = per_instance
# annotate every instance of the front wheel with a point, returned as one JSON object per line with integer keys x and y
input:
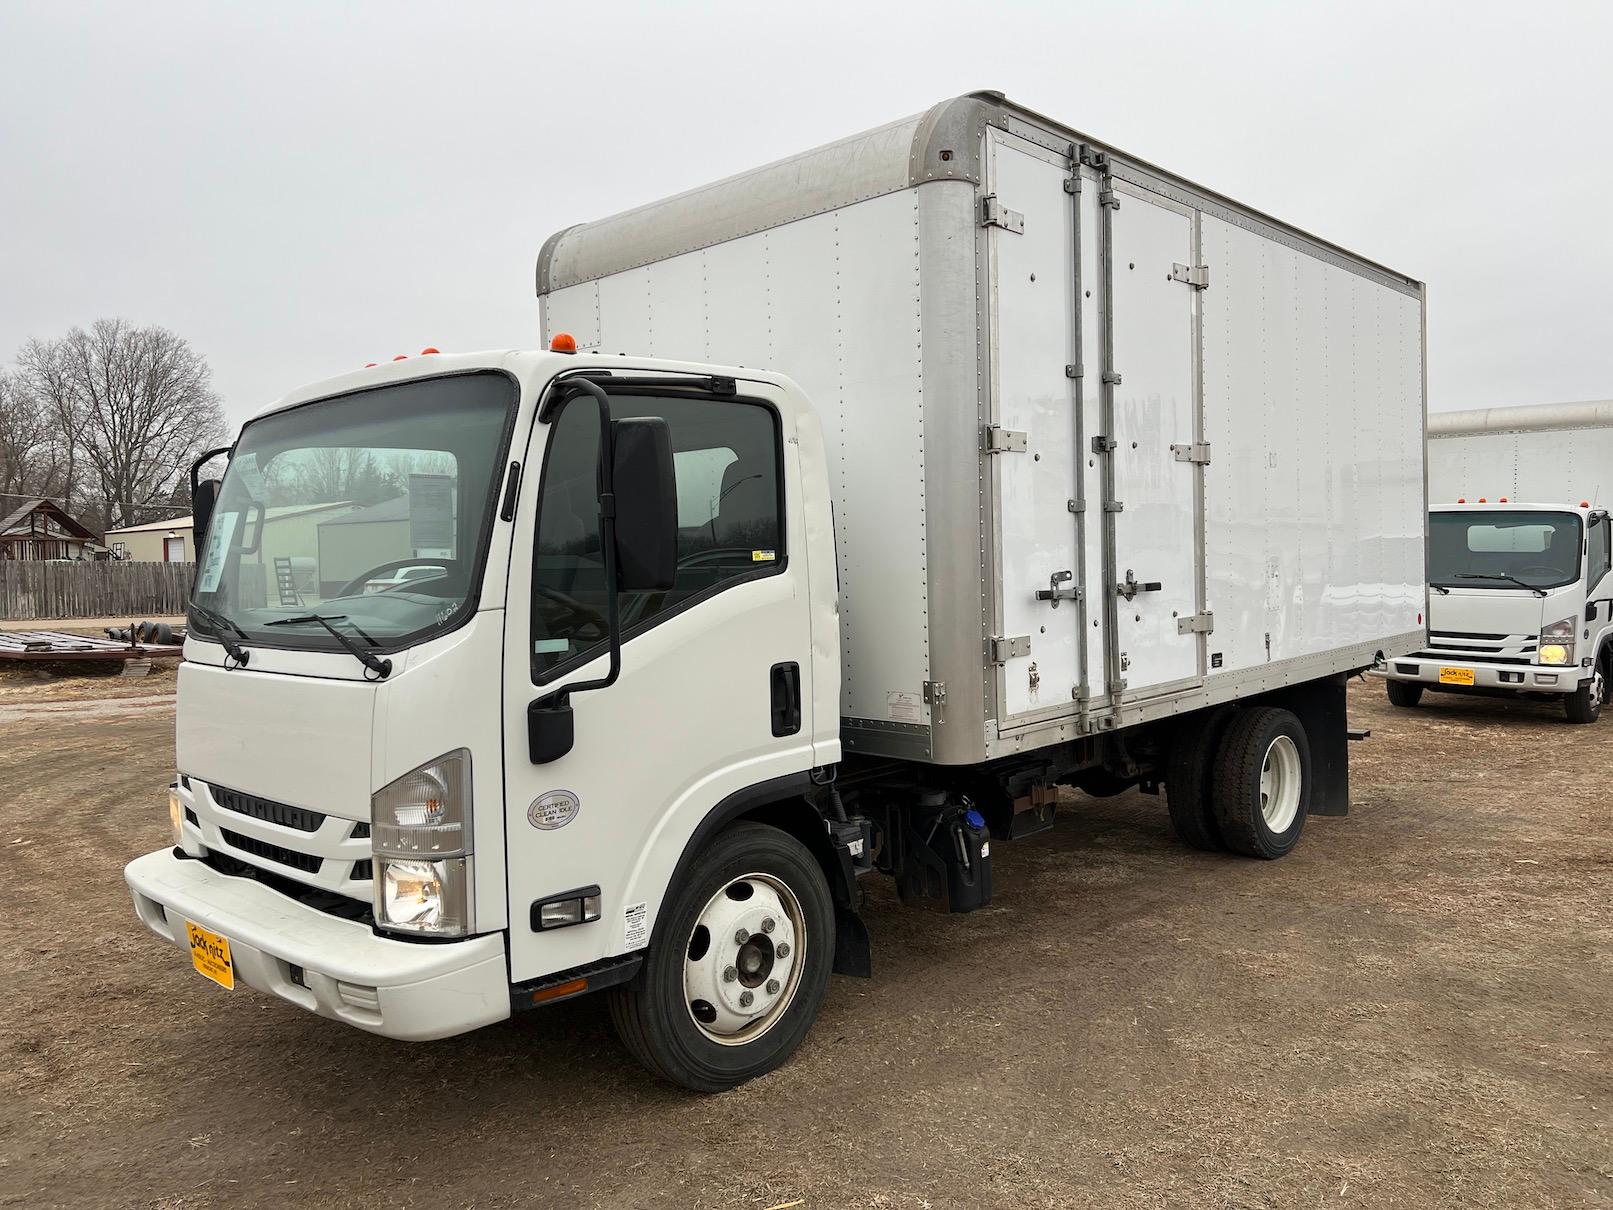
{"x": 739, "y": 965}
{"x": 1584, "y": 705}
{"x": 1404, "y": 693}
{"x": 1262, "y": 782}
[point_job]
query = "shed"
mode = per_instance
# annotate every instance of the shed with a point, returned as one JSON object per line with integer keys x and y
{"x": 41, "y": 529}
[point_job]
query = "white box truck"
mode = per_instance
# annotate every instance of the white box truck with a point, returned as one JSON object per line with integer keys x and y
{"x": 864, "y": 501}
{"x": 1518, "y": 553}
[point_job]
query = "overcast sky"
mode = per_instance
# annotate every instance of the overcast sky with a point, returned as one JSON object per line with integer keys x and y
{"x": 301, "y": 188}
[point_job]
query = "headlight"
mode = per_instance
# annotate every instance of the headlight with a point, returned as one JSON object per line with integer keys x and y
{"x": 423, "y": 896}
{"x": 420, "y": 833}
{"x": 176, "y": 817}
{"x": 1557, "y": 642}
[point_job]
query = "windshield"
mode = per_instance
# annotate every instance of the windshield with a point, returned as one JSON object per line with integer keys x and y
{"x": 1503, "y": 549}
{"x": 372, "y": 507}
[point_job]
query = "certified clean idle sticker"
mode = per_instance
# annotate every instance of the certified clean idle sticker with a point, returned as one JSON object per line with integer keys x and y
{"x": 552, "y": 810}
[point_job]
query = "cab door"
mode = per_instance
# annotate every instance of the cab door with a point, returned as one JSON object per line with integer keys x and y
{"x": 715, "y": 685}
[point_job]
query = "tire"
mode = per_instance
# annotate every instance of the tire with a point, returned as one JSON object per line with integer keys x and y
{"x": 1584, "y": 705}
{"x": 655, "y": 1015}
{"x": 1261, "y": 784}
{"x": 1187, "y": 780}
{"x": 1404, "y": 694}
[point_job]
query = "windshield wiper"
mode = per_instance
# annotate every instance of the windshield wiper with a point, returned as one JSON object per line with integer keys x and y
{"x": 382, "y": 668}
{"x": 1498, "y": 575}
{"x": 1441, "y": 589}
{"x": 220, "y": 624}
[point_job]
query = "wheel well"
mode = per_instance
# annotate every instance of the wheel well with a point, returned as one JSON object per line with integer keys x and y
{"x": 801, "y": 820}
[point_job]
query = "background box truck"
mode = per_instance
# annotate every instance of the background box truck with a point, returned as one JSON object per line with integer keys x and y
{"x": 1518, "y": 557}
{"x": 890, "y": 488}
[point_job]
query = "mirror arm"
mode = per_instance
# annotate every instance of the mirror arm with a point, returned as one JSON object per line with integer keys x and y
{"x": 607, "y": 537}
{"x": 196, "y": 467}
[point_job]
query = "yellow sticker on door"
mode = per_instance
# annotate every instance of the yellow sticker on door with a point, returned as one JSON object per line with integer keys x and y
{"x": 763, "y": 556}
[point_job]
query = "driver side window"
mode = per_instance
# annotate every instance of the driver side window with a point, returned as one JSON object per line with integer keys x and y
{"x": 727, "y": 459}
{"x": 1600, "y": 555}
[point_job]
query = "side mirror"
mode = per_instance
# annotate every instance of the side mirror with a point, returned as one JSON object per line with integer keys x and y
{"x": 550, "y": 729}
{"x": 202, "y": 501}
{"x": 646, "y": 505}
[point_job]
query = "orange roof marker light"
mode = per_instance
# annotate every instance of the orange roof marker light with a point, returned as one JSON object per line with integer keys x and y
{"x": 1584, "y": 503}
{"x": 1461, "y": 499}
{"x": 563, "y": 342}
{"x": 1483, "y": 500}
{"x": 401, "y": 357}
{"x": 1503, "y": 499}
{"x": 369, "y": 365}
{"x": 428, "y": 350}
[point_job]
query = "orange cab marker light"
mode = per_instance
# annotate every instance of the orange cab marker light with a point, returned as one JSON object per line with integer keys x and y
{"x": 369, "y": 365}
{"x": 570, "y": 988}
{"x": 1584, "y": 503}
{"x": 1503, "y": 499}
{"x": 1482, "y": 500}
{"x": 429, "y": 349}
{"x": 563, "y": 342}
{"x": 401, "y": 357}
{"x": 1461, "y": 499}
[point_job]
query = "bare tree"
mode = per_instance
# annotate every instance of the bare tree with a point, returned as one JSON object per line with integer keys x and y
{"x": 27, "y": 461}
{"x": 132, "y": 406}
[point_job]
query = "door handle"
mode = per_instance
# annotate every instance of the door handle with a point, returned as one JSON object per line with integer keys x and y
{"x": 1132, "y": 586}
{"x": 785, "y": 683}
{"x": 1056, "y": 594}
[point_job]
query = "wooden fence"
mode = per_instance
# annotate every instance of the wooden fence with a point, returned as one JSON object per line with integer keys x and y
{"x": 93, "y": 590}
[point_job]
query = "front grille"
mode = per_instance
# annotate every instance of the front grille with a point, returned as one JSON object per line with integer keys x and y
{"x": 325, "y": 901}
{"x": 1485, "y": 648}
{"x": 268, "y": 810}
{"x": 363, "y": 871}
{"x": 306, "y": 862}
{"x": 1463, "y": 634}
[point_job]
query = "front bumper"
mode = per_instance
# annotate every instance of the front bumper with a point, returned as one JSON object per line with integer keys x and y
{"x": 399, "y": 989}
{"x": 1505, "y": 678}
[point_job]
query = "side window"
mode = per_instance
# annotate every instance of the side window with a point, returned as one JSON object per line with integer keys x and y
{"x": 726, "y": 455}
{"x": 1601, "y": 555}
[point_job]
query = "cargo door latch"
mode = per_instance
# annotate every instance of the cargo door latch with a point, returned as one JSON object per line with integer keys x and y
{"x": 1054, "y": 593}
{"x": 1131, "y": 586}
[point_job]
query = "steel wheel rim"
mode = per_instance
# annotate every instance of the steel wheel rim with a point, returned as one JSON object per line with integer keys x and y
{"x": 720, "y": 970}
{"x": 1598, "y": 688}
{"x": 1280, "y": 777}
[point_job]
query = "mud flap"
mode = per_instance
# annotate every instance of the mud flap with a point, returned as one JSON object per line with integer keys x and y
{"x": 1320, "y": 707}
{"x": 853, "y": 953}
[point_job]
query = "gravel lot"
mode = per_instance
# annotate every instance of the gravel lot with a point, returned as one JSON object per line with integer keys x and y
{"x": 1412, "y": 1010}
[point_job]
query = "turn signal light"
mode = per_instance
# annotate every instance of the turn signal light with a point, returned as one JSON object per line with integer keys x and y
{"x": 563, "y": 342}
{"x": 560, "y": 990}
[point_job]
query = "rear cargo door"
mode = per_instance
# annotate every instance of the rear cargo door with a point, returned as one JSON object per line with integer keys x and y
{"x": 1031, "y": 446}
{"x": 1152, "y": 511}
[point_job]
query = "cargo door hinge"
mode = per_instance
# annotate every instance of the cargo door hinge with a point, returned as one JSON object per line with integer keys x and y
{"x": 1197, "y": 276}
{"x": 935, "y": 696}
{"x": 1196, "y": 623}
{"x": 1004, "y": 441}
{"x": 1004, "y": 649}
{"x": 1194, "y": 451}
{"x": 994, "y": 214}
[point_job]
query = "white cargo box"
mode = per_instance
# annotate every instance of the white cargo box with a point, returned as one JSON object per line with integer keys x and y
{"x": 1549, "y": 453}
{"x": 1105, "y": 446}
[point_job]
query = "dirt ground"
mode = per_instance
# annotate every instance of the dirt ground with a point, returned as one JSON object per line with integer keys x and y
{"x": 1411, "y": 1010}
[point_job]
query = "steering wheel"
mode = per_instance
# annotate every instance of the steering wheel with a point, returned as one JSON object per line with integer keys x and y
{"x": 592, "y": 619}
{"x": 356, "y": 584}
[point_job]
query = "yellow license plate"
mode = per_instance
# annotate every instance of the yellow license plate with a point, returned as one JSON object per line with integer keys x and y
{"x": 1455, "y": 676}
{"x": 210, "y": 954}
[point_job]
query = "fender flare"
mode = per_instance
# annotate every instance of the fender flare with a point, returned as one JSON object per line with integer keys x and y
{"x": 786, "y": 803}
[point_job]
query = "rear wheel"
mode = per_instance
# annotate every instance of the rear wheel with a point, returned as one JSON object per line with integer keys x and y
{"x": 1404, "y": 693}
{"x": 1584, "y": 705}
{"x": 1187, "y": 779}
{"x": 734, "y": 978}
{"x": 1261, "y": 782}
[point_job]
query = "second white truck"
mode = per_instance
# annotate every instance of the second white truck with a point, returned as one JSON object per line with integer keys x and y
{"x": 863, "y": 502}
{"x": 1518, "y": 558}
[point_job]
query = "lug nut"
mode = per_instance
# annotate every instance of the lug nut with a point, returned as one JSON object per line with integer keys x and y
{"x": 729, "y": 975}
{"x": 767, "y": 925}
{"x": 745, "y": 999}
{"x": 741, "y": 936}
{"x": 783, "y": 949}
{"x": 772, "y": 987}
